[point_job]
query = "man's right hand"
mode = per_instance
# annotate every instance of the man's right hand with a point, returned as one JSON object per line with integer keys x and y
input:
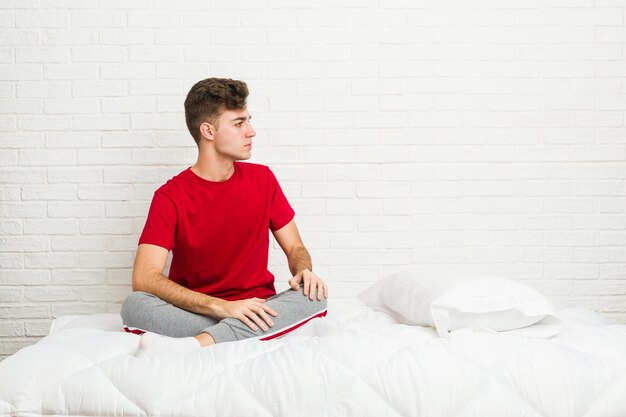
{"x": 248, "y": 311}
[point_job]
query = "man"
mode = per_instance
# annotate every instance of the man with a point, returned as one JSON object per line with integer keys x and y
{"x": 215, "y": 217}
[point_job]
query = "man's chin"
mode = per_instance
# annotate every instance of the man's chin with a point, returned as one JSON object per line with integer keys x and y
{"x": 244, "y": 157}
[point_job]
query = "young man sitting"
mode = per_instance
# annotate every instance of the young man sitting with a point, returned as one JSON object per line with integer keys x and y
{"x": 215, "y": 217}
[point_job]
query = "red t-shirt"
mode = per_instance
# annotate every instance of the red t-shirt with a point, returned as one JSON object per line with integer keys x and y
{"x": 218, "y": 232}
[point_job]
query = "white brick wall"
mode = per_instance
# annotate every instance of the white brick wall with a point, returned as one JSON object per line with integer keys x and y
{"x": 485, "y": 135}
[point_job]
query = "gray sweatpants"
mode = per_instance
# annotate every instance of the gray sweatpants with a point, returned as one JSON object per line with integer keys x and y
{"x": 146, "y": 312}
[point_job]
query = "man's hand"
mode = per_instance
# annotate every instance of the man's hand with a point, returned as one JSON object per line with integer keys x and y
{"x": 312, "y": 284}
{"x": 248, "y": 310}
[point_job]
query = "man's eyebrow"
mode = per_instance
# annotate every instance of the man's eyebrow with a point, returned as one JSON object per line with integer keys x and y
{"x": 241, "y": 119}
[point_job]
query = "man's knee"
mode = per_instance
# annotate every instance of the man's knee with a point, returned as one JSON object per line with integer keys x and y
{"x": 293, "y": 304}
{"x": 313, "y": 305}
{"x": 132, "y": 305}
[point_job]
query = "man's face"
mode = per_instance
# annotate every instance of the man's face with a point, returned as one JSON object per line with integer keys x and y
{"x": 233, "y": 138}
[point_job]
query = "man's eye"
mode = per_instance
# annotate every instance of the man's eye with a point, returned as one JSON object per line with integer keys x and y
{"x": 239, "y": 124}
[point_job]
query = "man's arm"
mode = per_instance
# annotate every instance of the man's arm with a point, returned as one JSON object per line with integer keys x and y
{"x": 299, "y": 260}
{"x": 148, "y": 277}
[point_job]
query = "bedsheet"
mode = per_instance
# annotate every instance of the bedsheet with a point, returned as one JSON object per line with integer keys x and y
{"x": 353, "y": 362}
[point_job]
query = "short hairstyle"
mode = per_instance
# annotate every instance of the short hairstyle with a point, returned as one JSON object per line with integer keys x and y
{"x": 208, "y": 99}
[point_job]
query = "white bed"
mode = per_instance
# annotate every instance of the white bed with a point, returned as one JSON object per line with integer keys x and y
{"x": 354, "y": 362}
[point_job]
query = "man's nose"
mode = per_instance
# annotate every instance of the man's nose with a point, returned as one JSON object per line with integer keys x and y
{"x": 251, "y": 132}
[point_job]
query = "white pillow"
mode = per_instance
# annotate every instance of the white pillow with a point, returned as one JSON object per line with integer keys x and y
{"x": 453, "y": 300}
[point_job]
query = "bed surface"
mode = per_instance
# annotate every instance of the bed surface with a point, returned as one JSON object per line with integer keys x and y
{"x": 353, "y": 362}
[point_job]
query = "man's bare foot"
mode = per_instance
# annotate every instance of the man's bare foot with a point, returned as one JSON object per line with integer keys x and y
{"x": 205, "y": 339}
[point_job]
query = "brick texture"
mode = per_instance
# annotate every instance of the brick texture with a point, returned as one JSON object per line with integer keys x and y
{"x": 481, "y": 135}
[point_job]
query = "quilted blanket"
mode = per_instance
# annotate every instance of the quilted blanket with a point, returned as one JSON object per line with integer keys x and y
{"x": 353, "y": 362}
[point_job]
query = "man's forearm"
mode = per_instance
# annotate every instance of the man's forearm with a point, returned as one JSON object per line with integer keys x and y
{"x": 167, "y": 290}
{"x": 299, "y": 259}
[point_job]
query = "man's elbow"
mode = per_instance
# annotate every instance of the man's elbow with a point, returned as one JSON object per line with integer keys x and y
{"x": 138, "y": 282}
{"x": 136, "y": 286}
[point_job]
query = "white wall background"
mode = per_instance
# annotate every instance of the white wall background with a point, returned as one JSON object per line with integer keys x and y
{"x": 487, "y": 135}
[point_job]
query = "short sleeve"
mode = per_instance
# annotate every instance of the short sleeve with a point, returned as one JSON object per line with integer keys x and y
{"x": 160, "y": 227}
{"x": 281, "y": 211}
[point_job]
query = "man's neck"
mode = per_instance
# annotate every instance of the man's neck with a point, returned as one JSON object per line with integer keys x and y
{"x": 216, "y": 171}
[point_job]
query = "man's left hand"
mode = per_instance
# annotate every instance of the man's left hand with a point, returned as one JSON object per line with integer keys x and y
{"x": 312, "y": 284}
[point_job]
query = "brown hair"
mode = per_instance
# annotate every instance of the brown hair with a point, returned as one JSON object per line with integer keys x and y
{"x": 208, "y": 99}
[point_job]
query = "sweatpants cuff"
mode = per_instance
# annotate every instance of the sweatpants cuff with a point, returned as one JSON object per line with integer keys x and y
{"x": 221, "y": 332}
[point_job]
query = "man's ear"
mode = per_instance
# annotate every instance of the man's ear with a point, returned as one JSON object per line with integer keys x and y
{"x": 207, "y": 130}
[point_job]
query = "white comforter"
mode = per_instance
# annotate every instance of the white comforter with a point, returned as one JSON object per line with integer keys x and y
{"x": 353, "y": 362}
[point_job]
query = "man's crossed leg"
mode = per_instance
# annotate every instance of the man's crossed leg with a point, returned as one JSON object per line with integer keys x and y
{"x": 166, "y": 327}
